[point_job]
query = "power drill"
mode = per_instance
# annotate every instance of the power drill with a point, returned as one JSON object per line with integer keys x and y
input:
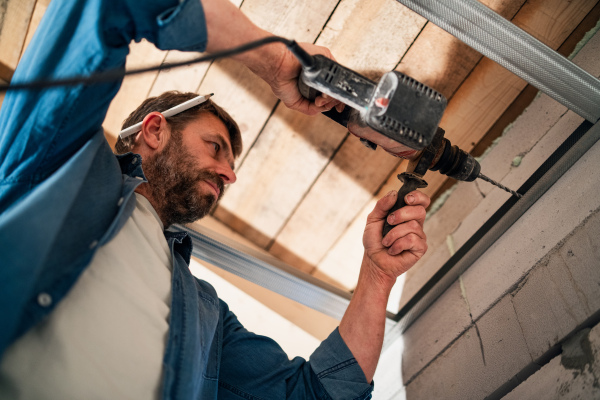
{"x": 398, "y": 113}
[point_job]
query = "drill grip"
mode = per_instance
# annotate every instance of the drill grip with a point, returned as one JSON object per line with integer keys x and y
{"x": 410, "y": 182}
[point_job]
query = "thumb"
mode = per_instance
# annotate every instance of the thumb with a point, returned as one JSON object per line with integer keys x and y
{"x": 382, "y": 207}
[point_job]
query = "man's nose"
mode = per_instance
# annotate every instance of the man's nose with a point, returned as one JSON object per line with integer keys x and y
{"x": 226, "y": 173}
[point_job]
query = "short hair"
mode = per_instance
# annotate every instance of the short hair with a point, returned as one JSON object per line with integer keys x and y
{"x": 179, "y": 121}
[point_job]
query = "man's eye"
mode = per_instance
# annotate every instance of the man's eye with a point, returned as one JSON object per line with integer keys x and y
{"x": 216, "y": 146}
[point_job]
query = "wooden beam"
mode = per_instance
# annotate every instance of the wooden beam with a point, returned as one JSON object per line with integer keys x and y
{"x": 184, "y": 79}
{"x": 14, "y": 22}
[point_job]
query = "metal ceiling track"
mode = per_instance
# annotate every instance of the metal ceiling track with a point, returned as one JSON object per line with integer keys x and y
{"x": 267, "y": 271}
{"x": 516, "y": 50}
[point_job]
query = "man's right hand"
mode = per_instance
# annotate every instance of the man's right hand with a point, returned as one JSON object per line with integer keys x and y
{"x": 284, "y": 84}
{"x": 228, "y": 27}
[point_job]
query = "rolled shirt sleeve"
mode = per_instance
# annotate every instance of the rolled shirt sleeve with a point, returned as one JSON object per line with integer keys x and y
{"x": 338, "y": 371}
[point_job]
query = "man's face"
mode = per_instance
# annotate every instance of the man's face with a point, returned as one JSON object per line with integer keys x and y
{"x": 187, "y": 177}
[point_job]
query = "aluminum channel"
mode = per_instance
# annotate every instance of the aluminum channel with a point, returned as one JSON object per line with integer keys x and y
{"x": 516, "y": 50}
{"x": 267, "y": 271}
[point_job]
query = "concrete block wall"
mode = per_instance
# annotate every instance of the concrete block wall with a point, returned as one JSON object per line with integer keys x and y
{"x": 574, "y": 374}
{"x": 537, "y": 286}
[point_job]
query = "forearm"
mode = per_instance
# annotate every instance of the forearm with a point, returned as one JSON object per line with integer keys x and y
{"x": 228, "y": 27}
{"x": 363, "y": 324}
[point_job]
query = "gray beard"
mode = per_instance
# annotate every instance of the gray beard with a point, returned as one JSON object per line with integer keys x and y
{"x": 173, "y": 184}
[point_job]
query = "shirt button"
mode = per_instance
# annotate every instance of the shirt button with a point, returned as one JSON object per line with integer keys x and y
{"x": 120, "y": 201}
{"x": 44, "y": 299}
{"x": 93, "y": 244}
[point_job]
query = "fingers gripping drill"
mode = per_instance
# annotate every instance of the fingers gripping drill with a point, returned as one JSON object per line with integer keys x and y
{"x": 397, "y": 113}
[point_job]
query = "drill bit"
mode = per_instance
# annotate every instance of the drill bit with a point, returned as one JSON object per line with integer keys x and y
{"x": 493, "y": 182}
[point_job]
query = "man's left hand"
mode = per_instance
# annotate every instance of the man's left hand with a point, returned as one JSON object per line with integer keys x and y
{"x": 405, "y": 244}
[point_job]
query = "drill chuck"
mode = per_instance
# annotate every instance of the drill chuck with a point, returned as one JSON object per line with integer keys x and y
{"x": 455, "y": 163}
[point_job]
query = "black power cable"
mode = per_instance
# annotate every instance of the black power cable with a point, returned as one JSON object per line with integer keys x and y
{"x": 115, "y": 75}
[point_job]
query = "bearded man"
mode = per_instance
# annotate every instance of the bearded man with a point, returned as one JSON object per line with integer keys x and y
{"x": 96, "y": 297}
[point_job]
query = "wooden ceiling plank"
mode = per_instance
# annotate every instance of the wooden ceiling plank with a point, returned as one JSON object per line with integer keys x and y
{"x": 342, "y": 260}
{"x": 342, "y": 190}
{"x": 15, "y": 17}
{"x": 281, "y": 165}
{"x": 183, "y": 79}
{"x": 547, "y": 14}
{"x": 274, "y": 200}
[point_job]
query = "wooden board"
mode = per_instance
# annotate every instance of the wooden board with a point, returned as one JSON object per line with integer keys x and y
{"x": 14, "y": 22}
{"x": 184, "y": 79}
{"x": 246, "y": 97}
{"x": 280, "y": 167}
{"x": 343, "y": 189}
{"x": 137, "y": 88}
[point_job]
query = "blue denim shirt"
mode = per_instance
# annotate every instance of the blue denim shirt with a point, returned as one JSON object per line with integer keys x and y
{"x": 63, "y": 194}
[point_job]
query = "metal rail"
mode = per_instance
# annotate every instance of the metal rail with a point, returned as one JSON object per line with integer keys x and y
{"x": 267, "y": 271}
{"x": 516, "y": 50}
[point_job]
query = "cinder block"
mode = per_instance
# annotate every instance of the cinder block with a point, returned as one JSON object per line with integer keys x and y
{"x": 587, "y": 58}
{"x": 563, "y": 207}
{"x": 584, "y": 267}
{"x": 517, "y": 176}
{"x": 460, "y": 372}
{"x": 560, "y": 131}
{"x": 525, "y": 132}
{"x": 504, "y": 346}
{"x": 427, "y": 337}
{"x": 547, "y": 305}
{"x": 455, "y": 374}
{"x": 592, "y": 227}
{"x": 563, "y": 380}
{"x": 460, "y": 204}
{"x": 421, "y": 272}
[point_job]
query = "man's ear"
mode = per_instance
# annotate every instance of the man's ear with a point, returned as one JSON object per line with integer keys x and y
{"x": 154, "y": 130}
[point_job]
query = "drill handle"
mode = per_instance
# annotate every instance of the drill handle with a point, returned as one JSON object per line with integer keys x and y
{"x": 410, "y": 182}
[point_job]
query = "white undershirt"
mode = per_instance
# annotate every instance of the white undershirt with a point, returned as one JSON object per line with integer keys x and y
{"x": 107, "y": 338}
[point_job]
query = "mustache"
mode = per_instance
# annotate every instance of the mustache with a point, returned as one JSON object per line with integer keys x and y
{"x": 207, "y": 175}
